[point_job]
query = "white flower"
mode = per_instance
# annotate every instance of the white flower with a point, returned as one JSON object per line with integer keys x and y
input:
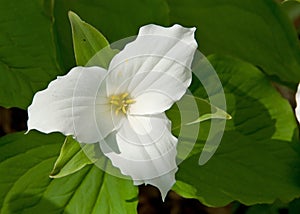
{"x": 125, "y": 104}
{"x": 297, "y": 110}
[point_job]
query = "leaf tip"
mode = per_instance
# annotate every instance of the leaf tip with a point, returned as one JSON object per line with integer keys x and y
{"x": 71, "y": 13}
{"x": 73, "y": 16}
{"x": 52, "y": 176}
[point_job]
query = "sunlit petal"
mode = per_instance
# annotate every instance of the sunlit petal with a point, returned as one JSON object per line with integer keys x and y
{"x": 158, "y": 64}
{"x": 297, "y": 110}
{"x": 68, "y": 106}
{"x": 147, "y": 151}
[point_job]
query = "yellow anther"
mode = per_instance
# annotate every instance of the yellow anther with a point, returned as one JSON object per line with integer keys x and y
{"x": 124, "y": 109}
{"x": 130, "y": 101}
{"x": 124, "y": 95}
{"x": 115, "y": 102}
{"x": 118, "y": 110}
{"x": 121, "y": 102}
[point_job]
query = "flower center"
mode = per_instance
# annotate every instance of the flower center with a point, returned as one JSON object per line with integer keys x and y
{"x": 121, "y": 102}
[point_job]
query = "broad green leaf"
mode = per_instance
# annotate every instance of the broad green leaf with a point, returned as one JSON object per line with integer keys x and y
{"x": 25, "y": 186}
{"x": 87, "y": 42}
{"x": 258, "y": 160}
{"x": 257, "y": 31}
{"x": 258, "y": 110}
{"x": 116, "y": 19}
{"x": 29, "y": 58}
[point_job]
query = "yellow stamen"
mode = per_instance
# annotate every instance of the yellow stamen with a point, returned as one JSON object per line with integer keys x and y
{"x": 130, "y": 101}
{"x": 121, "y": 102}
{"x": 118, "y": 110}
{"x": 116, "y": 103}
{"x": 124, "y": 109}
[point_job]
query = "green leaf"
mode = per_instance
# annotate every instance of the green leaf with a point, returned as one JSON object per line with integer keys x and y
{"x": 258, "y": 110}
{"x": 74, "y": 157}
{"x": 25, "y": 163}
{"x": 206, "y": 111}
{"x": 29, "y": 58}
{"x": 257, "y": 31}
{"x": 258, "y": 158}
{"x": 71, "y": 159}
{"x": 212, "y": 112}
{"x": 87, "y": 42}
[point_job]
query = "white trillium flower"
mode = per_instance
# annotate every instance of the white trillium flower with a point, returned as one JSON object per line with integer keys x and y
{"x": 125, "y": 104}
{"x": 297, "y": 110}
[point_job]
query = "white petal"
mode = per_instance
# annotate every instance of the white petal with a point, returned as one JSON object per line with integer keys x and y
{"x": 147, "y": 151}
{"x": 184, "y": 34}
{"x": 68, "y": 105}
{"x": 297, "y": 110}
{"x": 164, "y": 183}
{"x": 156, "y": 96}
{"x": 93, "y": 117}
{"x": 157, "y": 62}
{"x": 140, "y": 125}
{"x": 104, "y": 113}
{"x": 143, "y": 131}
